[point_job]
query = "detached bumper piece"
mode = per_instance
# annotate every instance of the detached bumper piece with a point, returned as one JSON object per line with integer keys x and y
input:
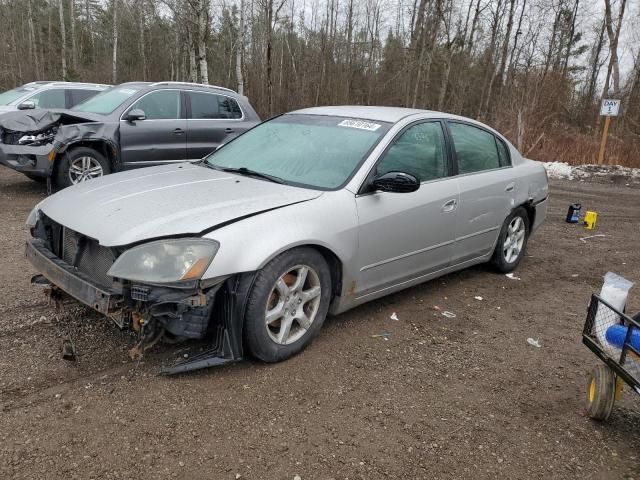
{"x": 226, "y": 332}
{"x": 73, "y": 282}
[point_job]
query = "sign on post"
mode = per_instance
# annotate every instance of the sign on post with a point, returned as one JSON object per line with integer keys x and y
{"x": 609, "y": 108}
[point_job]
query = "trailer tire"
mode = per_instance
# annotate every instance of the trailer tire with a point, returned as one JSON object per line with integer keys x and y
{"x": 601, "y": 393}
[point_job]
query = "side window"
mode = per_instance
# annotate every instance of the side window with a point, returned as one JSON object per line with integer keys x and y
{"x": 229, "y": 108}
{"x": 54, "y": 98}
{"x": 160, "y": 105}
{"x": 210, "y": 106}
{"x": 475, "y": 148}
{"x": 503, "y": 153}
{"x": 79, "y": 96}
{"x": 420, "y": 150}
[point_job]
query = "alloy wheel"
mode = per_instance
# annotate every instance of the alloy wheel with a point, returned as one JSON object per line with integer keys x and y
{"x": 84, "y": 168}
{"x": 514, "y": 242}
{"x": 293, "y": 304}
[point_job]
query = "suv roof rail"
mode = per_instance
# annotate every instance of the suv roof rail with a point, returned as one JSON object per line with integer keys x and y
{"x": 84, "y": 84}
{"x": 57, "y": 82}
{"x": 193, "y": 84}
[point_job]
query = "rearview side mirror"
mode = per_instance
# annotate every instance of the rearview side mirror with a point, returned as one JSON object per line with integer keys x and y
{"x": 396, "y": 182}
{"x": 27, "y": 105}
{"x": 136, "y": 114}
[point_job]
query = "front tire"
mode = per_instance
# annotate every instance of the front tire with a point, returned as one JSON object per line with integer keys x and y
{"x": 287, "y": 305}
{"x": 512, "y": 242}
{"x": 79, "y": 165}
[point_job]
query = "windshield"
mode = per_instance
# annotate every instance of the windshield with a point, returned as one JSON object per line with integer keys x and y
{"x": 12, "y": 95}
{"x": 307, "y": 150}
{"x": 107, "y": 101}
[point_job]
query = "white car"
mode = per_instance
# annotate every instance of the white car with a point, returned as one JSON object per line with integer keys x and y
{"x": 317, "y": 210}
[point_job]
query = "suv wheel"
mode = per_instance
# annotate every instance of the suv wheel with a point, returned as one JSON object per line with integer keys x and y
{"x": 79, "y": 165}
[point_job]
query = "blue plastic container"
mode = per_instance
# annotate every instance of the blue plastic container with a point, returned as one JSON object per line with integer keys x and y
{"x": 617, "y": 333}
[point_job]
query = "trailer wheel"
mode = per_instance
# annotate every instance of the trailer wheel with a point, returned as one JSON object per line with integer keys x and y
{"x": 601, "y": 393}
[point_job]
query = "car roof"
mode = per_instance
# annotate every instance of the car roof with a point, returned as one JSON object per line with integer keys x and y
{"x": 380, "y": 114}
{"x": 179, "y": 85}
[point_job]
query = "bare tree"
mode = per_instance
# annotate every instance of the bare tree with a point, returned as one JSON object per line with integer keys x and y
{"x": 63, "y": 41}
{"x": 613, "y": 32}
{"x": 240, "y": 49}
{"x": 114, "y": 56}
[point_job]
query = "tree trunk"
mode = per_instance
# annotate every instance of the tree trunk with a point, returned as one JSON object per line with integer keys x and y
{"x": 240, "y": 50}
{"x": 33, "y": 45}
{"x": 74, "y": 52}
{"x": 114, "y": 57}
{"x": 203, "y": 33}
{"x": 141, "y": 26}
{"x": 63, "y": 41}
{"x": 613, "y": 33}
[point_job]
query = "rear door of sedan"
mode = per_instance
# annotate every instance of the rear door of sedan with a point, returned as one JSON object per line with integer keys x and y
{"x": 403, "y": 236}
{"x": 212, "y": 119}
{"x": 487, "y": 189}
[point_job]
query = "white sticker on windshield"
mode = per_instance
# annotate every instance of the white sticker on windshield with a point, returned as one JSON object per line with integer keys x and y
{"x": 127, "y": 91}
{"x": 361, "y": 124}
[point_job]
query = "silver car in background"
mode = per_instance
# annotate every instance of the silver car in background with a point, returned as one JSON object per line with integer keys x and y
{"x": 315, "y": 211}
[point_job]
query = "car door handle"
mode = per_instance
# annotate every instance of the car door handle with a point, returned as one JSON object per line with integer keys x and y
{"x": 510, "y": 187}
{"x": 450, "y": 206}
{"x": 178, "y": 131}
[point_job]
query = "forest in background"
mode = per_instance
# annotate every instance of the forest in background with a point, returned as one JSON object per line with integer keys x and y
{"x": 535, "y": 70}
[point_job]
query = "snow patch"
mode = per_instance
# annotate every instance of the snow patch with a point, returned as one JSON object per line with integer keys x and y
{"x": 570, "y": 172}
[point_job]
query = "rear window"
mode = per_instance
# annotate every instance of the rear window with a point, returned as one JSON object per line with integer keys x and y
{"x": 107, "y": 101}
{"x": 476, "y": 148}
{"x": 212, "y": 106}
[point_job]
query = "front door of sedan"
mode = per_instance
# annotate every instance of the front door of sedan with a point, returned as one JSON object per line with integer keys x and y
{"x": 213, "y": 119}
{"x": 160, "y": 137}
{"x": 403, "y": 236}
{"x": 487, "y": 189}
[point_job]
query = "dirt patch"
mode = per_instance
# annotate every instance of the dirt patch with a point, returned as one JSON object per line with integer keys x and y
{"x": 463, "y": 397}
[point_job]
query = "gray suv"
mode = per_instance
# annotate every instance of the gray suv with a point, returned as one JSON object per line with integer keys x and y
{"x": 131, "y": 125}
{"x": 48, "y": 95}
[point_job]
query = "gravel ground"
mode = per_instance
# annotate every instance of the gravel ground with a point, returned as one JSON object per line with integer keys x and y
{"x": 450, "y": 398}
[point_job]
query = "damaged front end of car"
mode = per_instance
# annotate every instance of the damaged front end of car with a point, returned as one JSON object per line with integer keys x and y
{"x": 154, "y": 289}
{"x": 31, "y": 140}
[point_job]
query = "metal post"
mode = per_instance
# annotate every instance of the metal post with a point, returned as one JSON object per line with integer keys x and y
{"x": 603, "y": 142}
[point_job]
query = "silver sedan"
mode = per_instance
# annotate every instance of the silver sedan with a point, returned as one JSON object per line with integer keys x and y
{"x": 315, "y": 211}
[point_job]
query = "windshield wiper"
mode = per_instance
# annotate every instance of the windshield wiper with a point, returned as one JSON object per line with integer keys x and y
{"x": 252, "y": 173}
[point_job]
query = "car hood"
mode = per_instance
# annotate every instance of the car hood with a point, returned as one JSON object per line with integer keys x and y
{"x": 39, "y": 119}
{"x": 171, "y": 200}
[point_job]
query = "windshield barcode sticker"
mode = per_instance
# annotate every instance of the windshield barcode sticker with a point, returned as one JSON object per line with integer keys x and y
{"x": 362, "y": 125}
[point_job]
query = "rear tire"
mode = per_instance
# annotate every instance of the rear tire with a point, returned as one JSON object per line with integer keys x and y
{"x": 601, "y": 393}
{"x": 512, "y": 241}
{"x": 79, "y": 165}
{"x": 287, "y": 304}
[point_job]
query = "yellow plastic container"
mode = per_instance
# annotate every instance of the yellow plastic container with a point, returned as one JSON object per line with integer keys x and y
{"x": 590, "y": 219}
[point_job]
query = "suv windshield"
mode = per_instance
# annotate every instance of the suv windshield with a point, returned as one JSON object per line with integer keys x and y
{"x": 307, "y": 150}
{"x": 12, "y": 95}
{"x": 107, "y": 101}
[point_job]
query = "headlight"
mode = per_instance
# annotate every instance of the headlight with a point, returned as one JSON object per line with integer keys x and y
{"x": 33, "y": 217}
{"x": 166, "y": 261}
